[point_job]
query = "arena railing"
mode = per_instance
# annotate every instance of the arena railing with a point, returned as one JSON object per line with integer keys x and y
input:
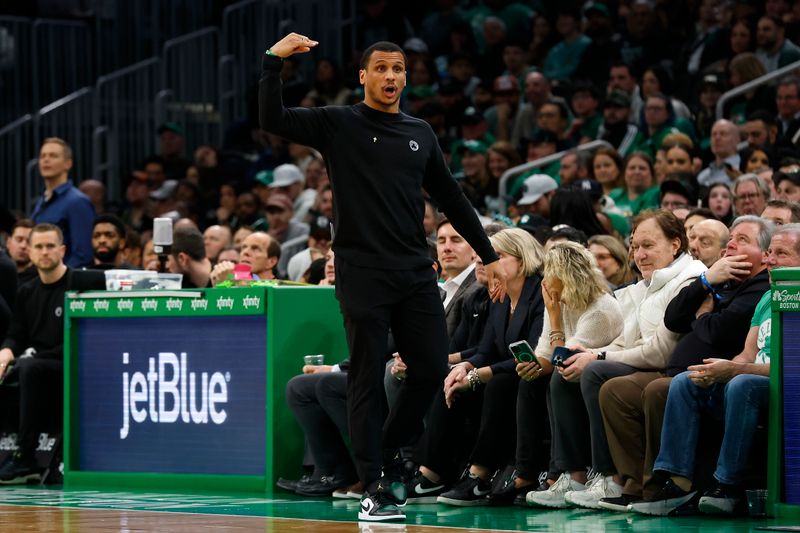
{"x": 513, "y": 172}
{"x": 753, "y": 84}
{"x": 189, "y": 94}
{"x": 15, "y": 68}
{"x": 62, "y": 59}
{"x": 124, "y": 121}
{"x": 15, "y": 140}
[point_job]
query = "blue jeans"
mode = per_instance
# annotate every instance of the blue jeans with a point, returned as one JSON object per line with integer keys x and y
{"x": 740, "y": 403}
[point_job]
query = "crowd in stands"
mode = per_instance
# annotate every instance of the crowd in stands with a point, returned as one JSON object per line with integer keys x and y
{"x": 638, "y": 271}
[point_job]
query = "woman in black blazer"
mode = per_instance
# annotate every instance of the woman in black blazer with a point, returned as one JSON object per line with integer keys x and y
{"x": 473, "y": 418}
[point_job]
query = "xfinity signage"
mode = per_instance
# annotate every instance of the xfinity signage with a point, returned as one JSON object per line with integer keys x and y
{"x": 173, "y": 395}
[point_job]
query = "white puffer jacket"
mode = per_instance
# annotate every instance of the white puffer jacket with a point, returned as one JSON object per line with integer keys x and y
{"x": 645, "y": 342}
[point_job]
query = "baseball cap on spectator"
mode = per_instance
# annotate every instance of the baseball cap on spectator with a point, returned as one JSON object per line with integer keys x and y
{"x": 712, "y": 80}
{"x": 415, "y": 44}
{"x": 596, "y": 7}
{"x": 535, "y": 187}
{"x": 265, "y": 178}
{"x": 590, "y": 187}
{"x": 170, "y": 126}
{"x": 285, "y": 175}
{"x": 617, "y": 98}
{"x": 474, "y": 146}
{"x": 167, "y": 190}
{"x": 505, "y": 84}
{"x": 320, "y": 228}
{"x": 280, "y": 201}
{"x": 472, "y": 115}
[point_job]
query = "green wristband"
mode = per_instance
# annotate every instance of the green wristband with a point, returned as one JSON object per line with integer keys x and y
{"x": 269, "y": 53}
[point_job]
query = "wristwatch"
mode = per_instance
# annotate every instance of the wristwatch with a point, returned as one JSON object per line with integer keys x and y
{"x": 601, "y": 356}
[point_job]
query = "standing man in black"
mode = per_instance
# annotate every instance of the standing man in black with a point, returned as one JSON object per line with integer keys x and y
{"x": 379, "y": 160}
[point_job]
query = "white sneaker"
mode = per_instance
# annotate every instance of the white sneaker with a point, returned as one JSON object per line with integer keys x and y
{"x": 598, "y": 488}
{"x": 554, "y": 496}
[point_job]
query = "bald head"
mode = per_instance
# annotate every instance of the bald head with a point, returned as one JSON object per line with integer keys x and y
{"x": 707, "y": 241}
{"x": 215, "y": 239}
{"x": 724, "y": 139}
{"x": 256, "y": 252}
{"x": 537, "y": 88}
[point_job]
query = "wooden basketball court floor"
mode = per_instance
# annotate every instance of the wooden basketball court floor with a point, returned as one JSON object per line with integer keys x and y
{"x": 53, "y": 509}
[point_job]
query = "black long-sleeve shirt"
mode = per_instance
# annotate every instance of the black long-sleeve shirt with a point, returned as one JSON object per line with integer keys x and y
{"x": 378, "y": 164}
{"x": 718, "y": 333}
{"x": 38, "y": 319}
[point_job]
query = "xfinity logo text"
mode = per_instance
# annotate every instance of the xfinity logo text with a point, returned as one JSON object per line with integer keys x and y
{"x": 251, "y": 301}
{"x": 76, "y": 305}
{"x": 100, "y": 305}
{"x": 124, "y": 305}
{"x": 174, "y": 303}
{"x": 199, "y": 304}
{"x": 168, "y": 392}
{"x": 223, "y": 303}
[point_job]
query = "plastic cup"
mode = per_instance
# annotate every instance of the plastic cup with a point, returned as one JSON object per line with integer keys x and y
{"x": 314, "y": 360}
{"x": 757, "y": 502}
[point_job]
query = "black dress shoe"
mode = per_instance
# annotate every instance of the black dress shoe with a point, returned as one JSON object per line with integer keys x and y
{"x": 505, "y": 492}
{"x": 291, "y": 484}
{"x": 323, "y": 486}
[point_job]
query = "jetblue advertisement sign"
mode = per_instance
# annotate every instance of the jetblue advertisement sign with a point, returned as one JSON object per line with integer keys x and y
{"x": 173, "y": 395}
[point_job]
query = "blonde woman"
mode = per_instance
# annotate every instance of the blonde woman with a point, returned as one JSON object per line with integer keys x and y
{"x": 483, "y": 388}
{"x": 579, "y": 309}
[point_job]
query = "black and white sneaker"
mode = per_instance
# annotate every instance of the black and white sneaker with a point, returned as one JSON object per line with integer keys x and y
{"x": 376, "y": 507}
{"x": 422, "y": 490}
{"x": 722, "y": 499}
{"x": 19, "y": 471}
{"x": 618, "y": 503}
{"x": 668, "y": 498}
{"x": 469, "y": 491}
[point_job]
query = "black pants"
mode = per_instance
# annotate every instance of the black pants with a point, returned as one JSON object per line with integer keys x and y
{"x": 37, "y": 387}
{"x": 533, "y": 428}
{"x": 319, "y": 403}
{"x": 373, "y": 301}
{"x": 574, "y": 409}
{"x": 491, "y": 410}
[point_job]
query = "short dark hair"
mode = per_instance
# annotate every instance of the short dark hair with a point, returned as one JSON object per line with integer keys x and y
{"x": 189, "y": 241}
{"x": 794, "y": 207}
{"x": 704, "y": 212}
{"x": 44, "y": 227}
{"x": 669, "y": 224}
{"x": 114, "y": 221}
{"x": 764, "y": 116}
{"x": 22, "y": 223}
{"x": 380, "y": 46}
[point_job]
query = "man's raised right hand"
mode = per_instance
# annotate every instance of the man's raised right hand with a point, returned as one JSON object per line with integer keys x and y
{"x": 294, "y": 43}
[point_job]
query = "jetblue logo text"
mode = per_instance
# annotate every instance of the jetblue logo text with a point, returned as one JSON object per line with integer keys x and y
{"x": 168, "y": 392}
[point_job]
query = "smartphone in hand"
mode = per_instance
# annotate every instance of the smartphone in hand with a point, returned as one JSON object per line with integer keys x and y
{"x": 522, "y": 352}
{"x": 561, "y": 354}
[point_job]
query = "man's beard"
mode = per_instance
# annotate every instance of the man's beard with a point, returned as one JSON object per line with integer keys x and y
{"x": 108, "y": 256}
